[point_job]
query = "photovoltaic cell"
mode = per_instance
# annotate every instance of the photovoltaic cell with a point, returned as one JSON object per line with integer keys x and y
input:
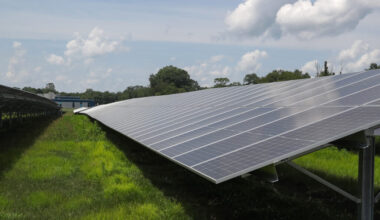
{"x": 222, "y": 133}
{"x": 350, "y": 120}
{"x": 271, "y": 129}
{"x": 279, "y": 148}
{"x": 238, "y": 161}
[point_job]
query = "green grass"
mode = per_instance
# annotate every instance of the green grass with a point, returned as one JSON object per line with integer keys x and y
{"x": 335, "y": 164}
{"x": 72, "y": 168}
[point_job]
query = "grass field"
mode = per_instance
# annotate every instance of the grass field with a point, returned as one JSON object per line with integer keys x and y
{"x": 73, "y": 168}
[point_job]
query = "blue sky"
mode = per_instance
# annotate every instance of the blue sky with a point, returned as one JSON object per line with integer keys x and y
{"x": 109, "y": 45}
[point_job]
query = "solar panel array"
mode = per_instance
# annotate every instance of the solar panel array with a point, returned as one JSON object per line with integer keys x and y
{"x": 222, "y": 133}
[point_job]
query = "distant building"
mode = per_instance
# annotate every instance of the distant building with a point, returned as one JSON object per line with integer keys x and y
{"x": 68, "y": 101}
{"x": 73, "y": 102}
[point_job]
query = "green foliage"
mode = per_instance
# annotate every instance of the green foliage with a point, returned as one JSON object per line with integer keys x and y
{"x": 326, "y": 71}
{"x": 167, "y": 80}
{"x": 374, "y": 66}
{"x": 32, "y": 90}
{"x": 135, "y": 92}
{"x": 235, "y": 84}
{"x": 50, "y": 87}
{"x": 284, "y": 75}
{"x": 251, "y": 79}
{"x": 221, "y": 82}
{"x": 170, "y": 79}
{"x": 275, "y": 76}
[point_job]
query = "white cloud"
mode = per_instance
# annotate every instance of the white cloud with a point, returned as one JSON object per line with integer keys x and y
{"x": 16, "y": 70}
{"x": 206, "y": 71}
{"x": 254, "y": 17}
{"x": 16, "y": 44}
{"x": 358, "y": 57}
{"x": 359, "y": 47}
{"x": 60, "y": 78}
{"x": 86, "y": 48}
{"x": 88, "y": 61}
{"x": 217, "y": 58}
{"x": 308, "y": 19}
{"x": 303, "y": 18}
{"x": 55, "y": 59}
{"x": 363, "y": 61}
{"x": 96, "y": 76}
{"x": 95, "y": 44}
{"x": 310, "y": 67}
{"x": 221, "y": 72}
{"x": 37, "y": 69}
{"x": 90, "y": 82}
{"x": 250, "y": 62}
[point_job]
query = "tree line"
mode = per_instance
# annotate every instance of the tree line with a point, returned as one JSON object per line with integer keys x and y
{"x": 171, "y": 79}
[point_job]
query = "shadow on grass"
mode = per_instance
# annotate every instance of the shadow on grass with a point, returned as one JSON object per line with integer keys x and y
{"x": 14, "y": 141}
{"x": 295, "y": 196}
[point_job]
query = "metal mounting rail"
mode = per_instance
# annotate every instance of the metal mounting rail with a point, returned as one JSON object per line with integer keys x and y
{"x": 324, "y": 182}
{"x": 365, "y": 143}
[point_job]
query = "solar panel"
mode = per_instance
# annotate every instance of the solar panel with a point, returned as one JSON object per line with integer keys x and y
{"x": 78, "y": 110}
{"x": 222, "y": 133}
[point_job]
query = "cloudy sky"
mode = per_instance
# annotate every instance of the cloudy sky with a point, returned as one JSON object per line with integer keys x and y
{"x": 109, "y": 45}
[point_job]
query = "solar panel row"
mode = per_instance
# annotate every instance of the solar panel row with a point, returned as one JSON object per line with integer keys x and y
{"x": 225, "y": 132}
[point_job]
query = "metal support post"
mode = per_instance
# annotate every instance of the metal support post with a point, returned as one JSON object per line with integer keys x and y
{"x": 366, "y": 178}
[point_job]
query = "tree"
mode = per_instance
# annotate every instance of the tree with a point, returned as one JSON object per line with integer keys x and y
{"x": 170, "y": 79}
{"x": 284, "y": 75}
{"x": 251, "y": 79}
{"x": 221, "y": 82}
{"x": 32, "y": 90}
{"x": 235, "y": 84}
{"x": 50, "y": 87}
{"x": 374, "y": 66}
{"x": 135, "y": 92}
{"x": 326, "y": 71}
